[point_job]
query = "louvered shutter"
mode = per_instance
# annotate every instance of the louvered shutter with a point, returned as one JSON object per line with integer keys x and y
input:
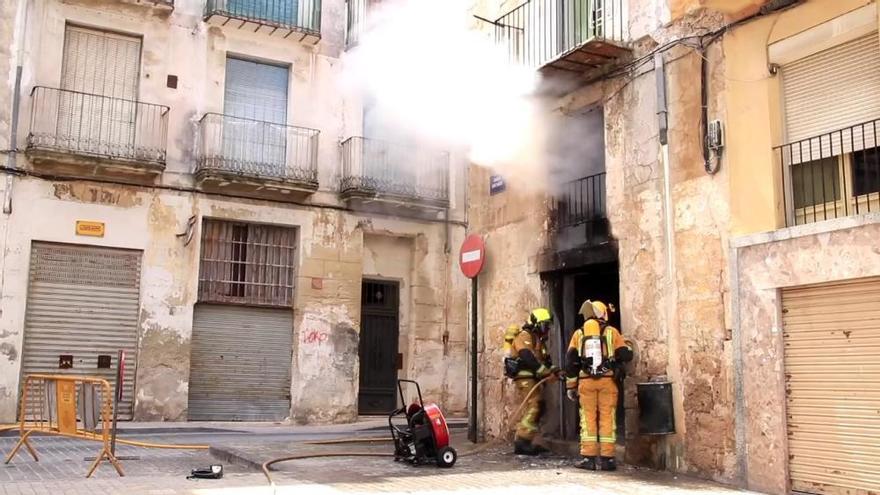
{"x": 255, "y": 135}
{"x": 832, "y": 344}
{"x": 100, "y": 71}
{"x": 832, "y": 89}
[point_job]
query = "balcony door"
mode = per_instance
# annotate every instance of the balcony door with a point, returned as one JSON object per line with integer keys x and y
{"x": 388, "y": 163}
{"x": 255, "y": 122}
{"x": 97, "y": 109}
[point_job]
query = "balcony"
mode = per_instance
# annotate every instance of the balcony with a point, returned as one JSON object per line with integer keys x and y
{"x": 289, "y": 19}
{"x": 833, "y": 175}
{"x": 581, "y": 217}
{"x": 86, "y": 135}
{"x": 160, "y": 5}
{"x": 257, "y": 159}
{"x": 564, "y": 37}
{"x": 380, "y": 172}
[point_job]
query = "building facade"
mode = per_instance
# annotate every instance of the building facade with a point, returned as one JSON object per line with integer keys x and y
{"x": 727, "y": 205}
{"x": 187, "y": 181}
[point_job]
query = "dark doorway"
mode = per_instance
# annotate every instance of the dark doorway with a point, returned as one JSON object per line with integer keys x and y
{"x": 380, "y": 330}
{"x": 595, "y": 282}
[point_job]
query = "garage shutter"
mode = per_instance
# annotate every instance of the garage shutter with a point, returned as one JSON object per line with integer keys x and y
{"x": 83, "y": 301}
{"x": 832, "y": 89}
{"x": 832, "y": 368}
{"x": 241, "y": 360}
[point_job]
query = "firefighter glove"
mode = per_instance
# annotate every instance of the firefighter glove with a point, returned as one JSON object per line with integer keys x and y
{"x": 623, "y": 354}
{"x": 572, "y": 394}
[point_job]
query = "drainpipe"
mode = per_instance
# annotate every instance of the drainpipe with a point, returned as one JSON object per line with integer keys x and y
{"x": 11, "y": 158}
{"x": 673, "y": 366}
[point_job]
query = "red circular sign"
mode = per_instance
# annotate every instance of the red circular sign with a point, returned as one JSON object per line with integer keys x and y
{"x": 472, "y": 256}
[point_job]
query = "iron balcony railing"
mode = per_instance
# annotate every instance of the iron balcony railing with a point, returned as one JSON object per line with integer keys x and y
{"x": 256, "y": 149}
{"x": 96, "y": 125}
{"x": 539, "y": 31}
{"x": 581, "y": 201}
{"x": 381, "y": 168}
{"x": 297, "y": 15}
{"x": 833, "y": 175}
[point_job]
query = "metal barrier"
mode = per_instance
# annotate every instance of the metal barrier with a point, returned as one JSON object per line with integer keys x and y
{"x": 58, "y": 405}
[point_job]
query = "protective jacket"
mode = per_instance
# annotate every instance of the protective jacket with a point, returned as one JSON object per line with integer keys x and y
{"x": 534, "y": 361}
{"x": 597, "y": 391}
{"x": 596, "y": 340}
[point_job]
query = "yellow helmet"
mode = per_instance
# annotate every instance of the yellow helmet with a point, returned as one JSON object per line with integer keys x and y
{"x": 601, "y": 310}
{"x": 540, "y": 315}
{"x": 587, "y": 310}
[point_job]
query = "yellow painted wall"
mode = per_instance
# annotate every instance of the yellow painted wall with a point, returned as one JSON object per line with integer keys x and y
{"x": 754, "y": 112}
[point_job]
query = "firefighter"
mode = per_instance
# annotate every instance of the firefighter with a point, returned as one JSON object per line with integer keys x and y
{"x": 595, "y": 354}
{"x": 531, "y": 364}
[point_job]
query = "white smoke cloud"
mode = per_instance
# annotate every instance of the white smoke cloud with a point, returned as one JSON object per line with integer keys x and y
{"x": 434, "y": 79}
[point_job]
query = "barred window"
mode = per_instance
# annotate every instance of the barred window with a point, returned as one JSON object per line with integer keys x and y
{"x": 244, "y": 263}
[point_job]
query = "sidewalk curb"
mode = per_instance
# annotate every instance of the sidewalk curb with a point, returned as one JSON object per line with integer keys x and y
{"x": 233, "y": 456}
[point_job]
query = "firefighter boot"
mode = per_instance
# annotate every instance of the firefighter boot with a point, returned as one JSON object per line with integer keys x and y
{"x": 588, "y": 463}
{"x": 539, "y": 449}
{"x": 607, "y": 464}
{"x": 522, "y": 446}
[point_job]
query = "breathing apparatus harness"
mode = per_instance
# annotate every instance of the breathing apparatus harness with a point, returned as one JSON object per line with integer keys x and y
{"x": 592, "y": 359}
{"x": 513, "y": 364}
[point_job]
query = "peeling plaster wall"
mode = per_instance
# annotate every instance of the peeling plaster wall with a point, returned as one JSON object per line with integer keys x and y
{"x": 324, "y": 369}
{"x": 331, "y": 250}
{"x": 831, "y": 251}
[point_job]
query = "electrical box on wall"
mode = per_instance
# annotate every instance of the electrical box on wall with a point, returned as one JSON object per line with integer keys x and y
{"x": 715, "y": 135}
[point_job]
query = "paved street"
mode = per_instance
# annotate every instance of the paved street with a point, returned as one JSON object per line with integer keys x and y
{"x": 488, "y": 471}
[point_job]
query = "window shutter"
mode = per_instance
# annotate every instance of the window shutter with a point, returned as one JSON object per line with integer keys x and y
{"x": 832, "y": 89}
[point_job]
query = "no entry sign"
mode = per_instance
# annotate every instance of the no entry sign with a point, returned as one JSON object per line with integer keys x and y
{"x": 473, "y": 254}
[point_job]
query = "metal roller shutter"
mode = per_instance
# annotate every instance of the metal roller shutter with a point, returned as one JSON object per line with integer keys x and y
{"x": 832, "y": 369}
{"x": 832, "y": 89}
{"x": 241, "y": 361}
{"x": 83, "y": 301}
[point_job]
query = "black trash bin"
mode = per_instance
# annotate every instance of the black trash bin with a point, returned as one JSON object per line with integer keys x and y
{"x": 656, "y": 416}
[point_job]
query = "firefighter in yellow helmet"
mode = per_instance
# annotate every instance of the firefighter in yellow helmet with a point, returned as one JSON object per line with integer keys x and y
{"x": 529, "y": 363}
{"x": 595, "y": 352}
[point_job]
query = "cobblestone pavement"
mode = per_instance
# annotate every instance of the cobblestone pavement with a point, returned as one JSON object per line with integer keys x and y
{"x": 62, "y": 468}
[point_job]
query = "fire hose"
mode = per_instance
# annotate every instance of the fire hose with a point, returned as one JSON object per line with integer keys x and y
{"x": 335, "y": 441}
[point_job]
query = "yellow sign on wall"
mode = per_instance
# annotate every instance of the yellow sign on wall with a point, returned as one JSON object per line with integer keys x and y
{"x": 93, "y": 229}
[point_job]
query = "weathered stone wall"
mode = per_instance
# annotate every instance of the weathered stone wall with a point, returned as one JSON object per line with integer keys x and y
{"x": 673, "y": 261}
{"x": 766, "y": 263}
{"x": 513, "y": 225}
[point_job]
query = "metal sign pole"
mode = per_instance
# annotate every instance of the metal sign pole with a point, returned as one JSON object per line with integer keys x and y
{"x": 472, "y": 421}
{"x": 120, "y": 359}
